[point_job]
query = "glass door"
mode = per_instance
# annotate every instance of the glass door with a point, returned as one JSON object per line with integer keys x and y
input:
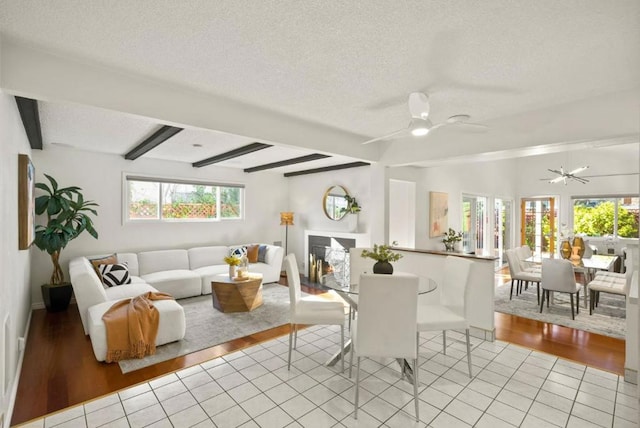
{"x": 539, "y": 218}
{"x": 502, "y": 233}
{"x": 475, "y": 220}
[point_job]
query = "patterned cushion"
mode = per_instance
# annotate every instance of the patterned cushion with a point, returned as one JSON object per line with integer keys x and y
{"x": 252, "y": 253}
{"x": 106, "y": 260}
{"x": 115, "y": 274}
{"x": 238, "y": 251}
{"x": 262, "y": 254}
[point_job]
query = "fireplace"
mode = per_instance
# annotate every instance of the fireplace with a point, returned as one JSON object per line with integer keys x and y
{"x": 327, "y": 253}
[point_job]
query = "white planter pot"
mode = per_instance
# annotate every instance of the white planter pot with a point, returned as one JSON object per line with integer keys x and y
{"x": 352, "y": 222}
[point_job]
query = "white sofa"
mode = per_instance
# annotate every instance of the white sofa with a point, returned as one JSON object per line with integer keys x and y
{"x": 181, "y": 273}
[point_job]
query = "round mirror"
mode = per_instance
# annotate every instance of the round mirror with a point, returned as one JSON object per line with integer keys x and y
{"x": 334, "y": 203}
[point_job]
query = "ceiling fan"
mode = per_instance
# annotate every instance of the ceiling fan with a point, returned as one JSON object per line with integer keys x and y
{"x": 571, "y": 175}
{"x": 420, "y": 124}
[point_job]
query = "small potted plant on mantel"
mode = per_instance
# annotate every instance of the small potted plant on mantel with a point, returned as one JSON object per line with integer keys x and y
{"x": 383, "y": 256}
{"x": 352, "y": 208}
{"x": 450, "y": 239}
{"x": 67, "y": 217}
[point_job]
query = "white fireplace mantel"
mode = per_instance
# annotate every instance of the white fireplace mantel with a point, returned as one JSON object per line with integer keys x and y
{"x": 362, "y": 240}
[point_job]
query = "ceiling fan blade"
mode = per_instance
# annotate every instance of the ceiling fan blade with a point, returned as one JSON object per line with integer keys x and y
{"x": 578, "y": 170}
{"x": 580, "y": 179}
{"x": 557, "y": 179}
{"x": 555, "y": 171}
{"x": 384, "y": 137}
{"x": 419, "y": 105}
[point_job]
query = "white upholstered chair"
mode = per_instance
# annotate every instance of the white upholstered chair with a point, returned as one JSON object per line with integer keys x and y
{"x": 558, "y": 276}
{"x": 610, "y": 282}
{"x": 309, "y": 310}
{"x": 386, "y": 323}
{"x": 451, "y": 312}
{"x": 520, "y": 276}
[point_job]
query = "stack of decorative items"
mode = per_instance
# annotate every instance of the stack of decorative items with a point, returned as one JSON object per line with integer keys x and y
{"x": 233, "y": 263}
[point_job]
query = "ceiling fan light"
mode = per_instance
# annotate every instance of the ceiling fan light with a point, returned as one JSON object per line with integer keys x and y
{"x": 419, "y": 127}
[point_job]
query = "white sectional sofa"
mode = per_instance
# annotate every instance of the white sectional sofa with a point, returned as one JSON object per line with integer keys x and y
{"x": 181, "y": 273}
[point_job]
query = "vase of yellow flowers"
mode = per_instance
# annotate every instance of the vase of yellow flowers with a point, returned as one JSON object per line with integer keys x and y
{"x": 233, "y": 263}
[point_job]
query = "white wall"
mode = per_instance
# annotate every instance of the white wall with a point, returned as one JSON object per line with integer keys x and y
{"x": 15, "y": 294}
{"x": 365, "y": 183}
{"x": 100, "y": 176}
{"x": 493, "y": 179}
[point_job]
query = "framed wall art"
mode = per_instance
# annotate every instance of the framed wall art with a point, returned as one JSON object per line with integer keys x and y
{"x": 26, "y": 202}
{"x": 438, "y": 214}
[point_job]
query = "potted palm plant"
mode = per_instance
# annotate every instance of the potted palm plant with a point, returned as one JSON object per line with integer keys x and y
{"x": 68, "y": 215}
{"x": 383, "y": 256}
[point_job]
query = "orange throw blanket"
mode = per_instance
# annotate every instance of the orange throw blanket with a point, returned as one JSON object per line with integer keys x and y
{"x": 132, "y": 327}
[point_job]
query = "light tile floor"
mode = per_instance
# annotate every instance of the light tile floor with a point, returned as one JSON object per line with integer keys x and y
{"x": 512, "y": 386}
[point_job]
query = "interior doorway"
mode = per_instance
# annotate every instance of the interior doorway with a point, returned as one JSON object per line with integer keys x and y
{"x": 402, "y": 213}
{"x": 538, "y": 225}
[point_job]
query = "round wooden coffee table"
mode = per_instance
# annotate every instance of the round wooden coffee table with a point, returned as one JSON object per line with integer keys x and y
{"x": 231, "y": 295}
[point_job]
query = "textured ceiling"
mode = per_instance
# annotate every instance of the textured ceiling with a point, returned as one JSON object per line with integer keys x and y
{"x": 535, "y": 71}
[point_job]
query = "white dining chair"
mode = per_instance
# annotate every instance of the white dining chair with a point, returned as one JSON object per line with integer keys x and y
{"x": 309, "y": 310}
{"x": 558, "y": 276}
{"x": 386, "y": 323}
{"x": 451, "y": 312}
{"x": 520, "y": 276}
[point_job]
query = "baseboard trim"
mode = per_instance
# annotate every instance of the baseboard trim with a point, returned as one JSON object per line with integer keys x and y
{"x": 631, "y": 376}
{"x": 16, "y": 379}
{"x": 40, "y": 305}
{"x": 480, "y": 333}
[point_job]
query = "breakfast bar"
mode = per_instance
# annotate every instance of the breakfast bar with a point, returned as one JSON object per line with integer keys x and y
{"x": 429, "y": 263}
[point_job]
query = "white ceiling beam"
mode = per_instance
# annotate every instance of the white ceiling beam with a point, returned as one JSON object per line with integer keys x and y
{"x": 29, "y": 71}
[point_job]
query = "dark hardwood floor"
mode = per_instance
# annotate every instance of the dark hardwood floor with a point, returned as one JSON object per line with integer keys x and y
{"x": 59, "y": 369}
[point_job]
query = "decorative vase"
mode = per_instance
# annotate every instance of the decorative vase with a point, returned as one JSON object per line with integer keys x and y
{"x": 575, "y": 255}
{"x": 56, "y": 297}
{"x": 232, "y": 271}
{"x": 565, "y": 249}
{"x": 579, "y": 242}
{"x": 383, "y": 267}
{"x": 450, "y": 246}
{"x": 352, "y": 222}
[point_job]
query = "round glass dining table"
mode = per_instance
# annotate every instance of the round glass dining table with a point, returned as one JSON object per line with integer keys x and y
{"x": 425, "y": 285}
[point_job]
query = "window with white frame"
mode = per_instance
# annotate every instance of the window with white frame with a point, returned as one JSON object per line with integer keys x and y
{"x": 156, "y": 199}
{"x": 606, "y": 215}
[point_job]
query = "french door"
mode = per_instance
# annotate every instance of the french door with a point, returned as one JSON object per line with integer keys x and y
{"x": 503, "y": 229}
{"x": 538, "y": 225}
{"x": 475, "y": 222}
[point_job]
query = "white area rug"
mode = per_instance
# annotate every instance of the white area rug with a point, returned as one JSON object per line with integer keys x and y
{"x": 608, "y": 318}
{"x": 206, "y": 326}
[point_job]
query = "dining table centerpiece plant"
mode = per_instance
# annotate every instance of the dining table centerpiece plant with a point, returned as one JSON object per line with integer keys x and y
{"x": 383, "y": 255}
{"x": 450, "y": 239}
{"x": 233, "y": 263}
{"x": 68, "y": 215}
